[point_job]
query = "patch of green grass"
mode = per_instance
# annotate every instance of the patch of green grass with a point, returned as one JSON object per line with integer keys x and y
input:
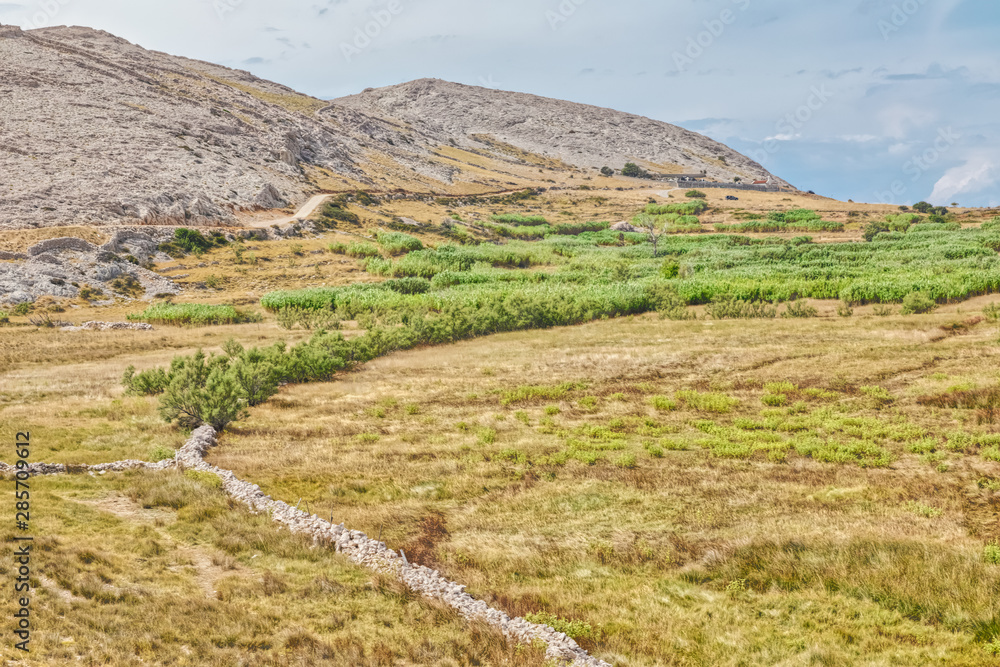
{"x": 531, "y": 393}
{"x": 708, "y": 402}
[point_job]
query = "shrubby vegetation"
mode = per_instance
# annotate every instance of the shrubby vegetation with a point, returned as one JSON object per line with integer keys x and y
{"x": 188, "y": 241}
{"x": 197, "y": 314}
{"x": 799, "y": 220}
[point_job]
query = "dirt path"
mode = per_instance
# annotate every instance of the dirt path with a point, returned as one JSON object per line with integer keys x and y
{"x": 304, "y": 212}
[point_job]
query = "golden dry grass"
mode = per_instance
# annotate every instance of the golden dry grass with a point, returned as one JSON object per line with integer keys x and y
{"x": 592, "y": 505}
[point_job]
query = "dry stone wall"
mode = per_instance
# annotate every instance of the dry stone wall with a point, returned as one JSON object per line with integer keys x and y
{"x": 353, "y": 544}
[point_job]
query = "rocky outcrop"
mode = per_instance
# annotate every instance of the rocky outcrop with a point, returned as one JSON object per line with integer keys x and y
{"x": 111, "y": 326}
{"x": 61, "y": 267}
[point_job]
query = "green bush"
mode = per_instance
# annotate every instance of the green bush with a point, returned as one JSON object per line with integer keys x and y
{"x": 696, "y": 207}
{"x": 201, "y": 392}
{"x": 146, "y": 383}
{"x": 397, "y": 242}
{"x": 796, "y": 309}
{"x": 194, "y": 314}
{"x": 633, "y": 170}
{"x": 335, "y": 212}
{"x": 991, "y": 553}
{"x": 695, "y": 194}
{"x": 520, "y": 220}
{"x": 663, "y": 403}
{"x": 722, "y": 308}
{"x": 161, "y": 453}
{"x": 188, "y": 241}
{"x": 362, "y": 250}
{"x": 917, "y": 303}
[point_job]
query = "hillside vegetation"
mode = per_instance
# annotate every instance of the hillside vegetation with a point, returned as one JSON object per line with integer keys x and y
{"x": 751, "y": 449}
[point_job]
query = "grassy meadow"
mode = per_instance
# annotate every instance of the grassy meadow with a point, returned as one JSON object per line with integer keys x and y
{"x": 740, "y": 451}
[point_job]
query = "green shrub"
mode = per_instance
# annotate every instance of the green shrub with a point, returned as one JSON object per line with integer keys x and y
{"x": 797, "y": 309}
{"x": 513, "y": 456}
{"x": 916, "y": 303}
{"x": 663, "y": 403}
{"x": 188, "y": 241}
{"x": 161, "y": 453}
{"x": 521, "y": 220}
{"x": 362, "y": 250}
{"x": 695, "y": 194}
{"x": 723, "y": 307}
{"x": 774, "y": 400}
{"x": 201, "y": 392}
{"x": 882, "y": 310}
{"x": 22, "y": 309}
{"x": 146, "y": 383}
{"x": 991, "y": 553}
{"x": 335, "y": 212}
{"x": 626, "y": 461}
{"x": 696, "y": 207}
{"x": 664, "y": 299}
{"x": 708, "y": 402}
{"x": 397, "y": 242}
{"x": 194, "y": 314}
{"x": 633, "y": 170}
{"x": 655, "y": 451}
{"x": 292, "y": 316}
{"x": 4, "y": 317}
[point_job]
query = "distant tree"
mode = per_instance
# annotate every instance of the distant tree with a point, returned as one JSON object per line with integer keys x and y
{"x": 633, "y": 170}
{"x": 904, "y": 208}
{"x": 954, "y": 203}
{"x": 737, "y": 179}
{"x": 648, "y": 224}
{"x": 695, "y": 194}
{"x": 922, "y": 207}
{"x": 940, "y": 210}
{"x": 607, "y": 171}
{"x": 873, "y": 229}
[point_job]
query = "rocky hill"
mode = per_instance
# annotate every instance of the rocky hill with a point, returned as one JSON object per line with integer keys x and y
{"x": 573, "y": 134}
{"x": 97, "y": 130}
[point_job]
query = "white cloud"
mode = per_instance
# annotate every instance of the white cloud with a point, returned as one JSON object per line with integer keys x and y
{"x": 974, "y": 176}
{"x": 859, "y": 138}
{"x": 784, "y": 137}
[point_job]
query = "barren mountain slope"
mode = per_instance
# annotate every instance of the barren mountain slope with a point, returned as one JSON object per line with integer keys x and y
{"x": 575, "y": 134}
{"x": 94, "y": 129}
{"x": 97, "y": 130}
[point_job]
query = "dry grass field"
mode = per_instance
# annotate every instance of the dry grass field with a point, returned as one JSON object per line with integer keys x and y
{"x": 700, "y": 492}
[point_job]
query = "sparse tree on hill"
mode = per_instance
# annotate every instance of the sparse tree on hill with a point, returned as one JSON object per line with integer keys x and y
{"x": 607, "y": 171}
{"x": 647, "y": 223}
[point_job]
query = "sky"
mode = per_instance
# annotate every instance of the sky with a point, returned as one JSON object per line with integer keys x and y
{"x": 890, "y": 101}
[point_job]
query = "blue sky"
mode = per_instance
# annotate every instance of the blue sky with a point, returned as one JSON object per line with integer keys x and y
{"x": 872, "y": 100}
